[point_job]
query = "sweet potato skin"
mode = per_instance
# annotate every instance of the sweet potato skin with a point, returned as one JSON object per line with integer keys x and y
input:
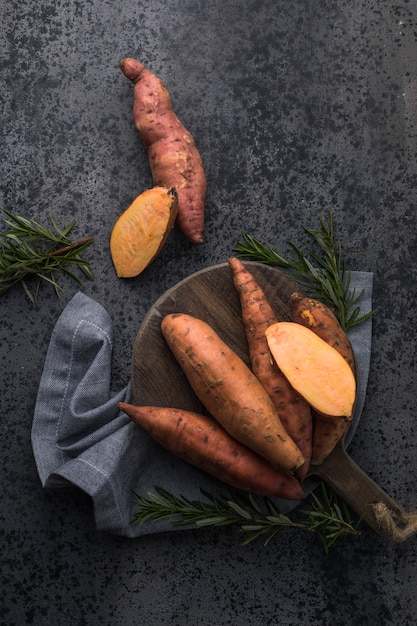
{"x": 257, "y": 316}
{"x": 200, "y": 441}
{"x": 326, "y": 435}
{"x": 229, "y": 390}
{"x": 317, "y": 316}
{"x": 174, "y": 158}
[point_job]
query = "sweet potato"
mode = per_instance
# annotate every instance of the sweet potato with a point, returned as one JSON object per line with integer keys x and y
{"x": 141, "y": 231}
{"x": 173, "y": 156}
{"x": 202, "y": 442}
{"x": 313, "y": 367}
{"x": 317, "y": 316}
{"x": 229, "y": 390}
{"x": 257, "y": 316}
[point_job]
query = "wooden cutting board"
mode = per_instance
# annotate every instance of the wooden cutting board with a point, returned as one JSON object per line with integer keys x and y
{"x": 209, "y": 294}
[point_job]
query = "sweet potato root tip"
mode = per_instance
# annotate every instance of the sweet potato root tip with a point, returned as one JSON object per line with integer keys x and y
{"x": 131, "y": 68}
{"x": 257, "y": 316}
{"x": 314, "y": 368}
{"x": 229, "y": 390}
{"x": 202, "y": 442}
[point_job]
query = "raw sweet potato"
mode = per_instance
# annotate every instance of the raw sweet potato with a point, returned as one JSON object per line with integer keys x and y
{"x": 317, "y": 316}
{"x": 229, "y": 390}
{"x": 313, "y": 367}
{"x": 202, "y": 442}
{"x": 173, "y": 156}
{"x": 141, "y": 231}
{"x": 257, "y": 316}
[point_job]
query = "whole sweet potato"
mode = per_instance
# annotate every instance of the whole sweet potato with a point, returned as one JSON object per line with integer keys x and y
{"x": 229, "y": 390}
{"x": 202, "y": 442}
{"x": 257, "y": 316}
{"x": 173, "y": 156}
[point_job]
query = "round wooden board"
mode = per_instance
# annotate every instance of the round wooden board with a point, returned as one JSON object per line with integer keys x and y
{"x": 210, "y": 295}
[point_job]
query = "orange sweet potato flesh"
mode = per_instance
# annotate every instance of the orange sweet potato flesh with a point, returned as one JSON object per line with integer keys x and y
{"x": 173, "y": 156}
{"x": 257, "y": 316}
{"x": 313, "y": 367}
{"x": 229, "y": 390}
{"x": 141, "y": 231}
{"x": 202, "y": 442}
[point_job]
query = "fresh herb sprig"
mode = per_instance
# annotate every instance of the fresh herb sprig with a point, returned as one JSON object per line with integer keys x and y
{"x": 324, "y": 276}
{"x": 32, "y": 252}
{"x": 326, "y": 517}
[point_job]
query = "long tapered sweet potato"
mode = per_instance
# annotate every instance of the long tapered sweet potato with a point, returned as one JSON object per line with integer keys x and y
{"x": 313, "y": 367}
{"x": 317, "y": 316}
{"x": 141, "y": 231}
{"x": 202, "y": 442}
{"x": 229, "y": 390}
{"x": 257, "y": 316}
{"x": 173, "y": 156}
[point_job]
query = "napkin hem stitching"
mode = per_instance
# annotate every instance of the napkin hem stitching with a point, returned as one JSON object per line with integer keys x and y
{"x": 109, "y": 478}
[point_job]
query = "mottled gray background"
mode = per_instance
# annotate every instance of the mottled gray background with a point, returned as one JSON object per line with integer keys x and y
{"x": 297, "y": 108}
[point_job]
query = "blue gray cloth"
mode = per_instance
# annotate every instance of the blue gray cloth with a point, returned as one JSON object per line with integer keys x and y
{"x": 80, "y": 438}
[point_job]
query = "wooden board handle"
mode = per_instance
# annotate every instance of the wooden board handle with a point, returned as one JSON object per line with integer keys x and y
{"x": 381, "y": 512}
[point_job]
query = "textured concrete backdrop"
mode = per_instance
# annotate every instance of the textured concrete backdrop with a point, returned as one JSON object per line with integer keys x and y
{"x": 298, "y": 108}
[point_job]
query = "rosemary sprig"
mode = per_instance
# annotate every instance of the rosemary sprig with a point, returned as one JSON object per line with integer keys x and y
{"x": 324, "y": 276}
{"x": 30, "y": 251}
{"x": 327, "y": 518}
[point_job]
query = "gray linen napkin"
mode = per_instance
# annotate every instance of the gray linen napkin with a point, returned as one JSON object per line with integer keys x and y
{"x": 79, "y": 436}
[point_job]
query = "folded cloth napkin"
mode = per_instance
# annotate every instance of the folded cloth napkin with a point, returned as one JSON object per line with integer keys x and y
{"x": 80, "y": 438}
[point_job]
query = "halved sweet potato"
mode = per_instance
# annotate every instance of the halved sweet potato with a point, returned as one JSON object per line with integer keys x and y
{"x": 314, "y": 368}
{"x": 141, "y": 231}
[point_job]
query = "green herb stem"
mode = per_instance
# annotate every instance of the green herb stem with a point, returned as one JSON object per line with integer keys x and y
{"x": 327, "y": 518}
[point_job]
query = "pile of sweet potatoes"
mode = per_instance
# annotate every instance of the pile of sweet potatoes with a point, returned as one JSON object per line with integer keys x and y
{"x": 269, "y": 422}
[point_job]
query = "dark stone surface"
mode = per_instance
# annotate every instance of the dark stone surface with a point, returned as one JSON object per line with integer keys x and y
{"x": 297, "y": 108}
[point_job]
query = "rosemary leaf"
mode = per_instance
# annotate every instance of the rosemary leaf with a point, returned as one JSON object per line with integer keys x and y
{"x": 62, "y": 233}
{"x": 254, "y": 504}
{"x": 239, "y": 510}
{"x": 215, "y": 520}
